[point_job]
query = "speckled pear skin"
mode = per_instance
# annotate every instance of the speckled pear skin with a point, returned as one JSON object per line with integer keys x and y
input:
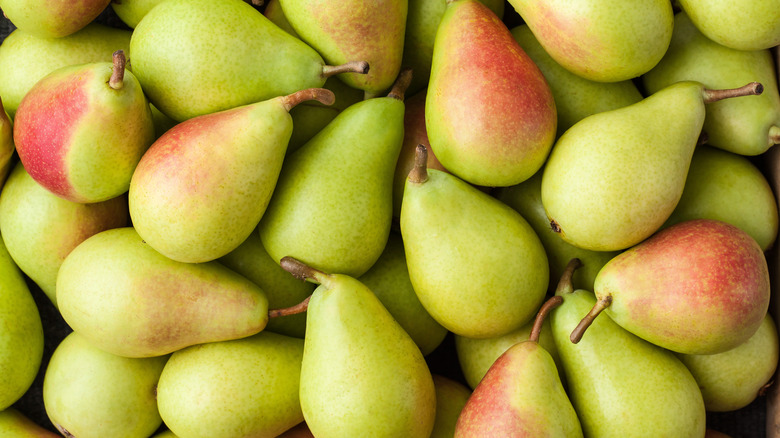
{"x": 130, "y": 300}
{"x": 621, "y": 385}
{"x": 345, "y": 31}
{"x": 52, "y": 19}
{"x": 188, "y": 69}
{"x": 743, "y": 126}
{"x": 613, "y": 178}
{"x": 601, "y": 40}
{"x": 752, "y": 25}
{"x": 489, "y": 112}
{"x": 698, "y": 287}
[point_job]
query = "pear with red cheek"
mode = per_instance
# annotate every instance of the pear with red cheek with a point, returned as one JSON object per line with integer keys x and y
{"x": 52, "y": 19}
{"x": 697, "y": 287}
{"x": 490, "y": 115}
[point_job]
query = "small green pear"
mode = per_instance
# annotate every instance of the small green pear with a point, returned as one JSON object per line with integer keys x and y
{"x": 15, "y": 424}
{"x": 451, "y": 397}
{"x": 47, "y": 19}
{"x": 747, "y": 25}
{"x": 132, "y": 11}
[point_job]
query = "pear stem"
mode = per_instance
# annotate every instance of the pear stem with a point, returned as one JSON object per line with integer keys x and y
{"x": 543, "y": 312}
{"x": 401, "y": 83}
{"x": 322, "y": 95}
{"x": 292, "y": 310}
{"x": 419, "y": 173}
{"x": 118, "y": 72}
{"x": 753, "y": 88}
{"x": 774, "y": 134}
{"x": 565, "y": 285}
{"x": 601, "y": 304}
{"x": 300, "y": 270}
{"x": 360, "y": 67}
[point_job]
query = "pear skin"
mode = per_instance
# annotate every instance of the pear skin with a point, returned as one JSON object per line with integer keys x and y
{"x": 15, "y": 424}
{"x": 46, "y": 19}
{"x": 451, "y": 396}
{"x": 752, "y": 25}
{"x": 7, "y": 147}
{"x": 132, "y": 11}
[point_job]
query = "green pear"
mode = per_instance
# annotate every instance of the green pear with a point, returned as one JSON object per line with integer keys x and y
{"x": 362, "y": 375}
{"x": 521, "y": 394}
{"x": 601, "y": 40}
{"x": 81, "y": 130}
{"x": 90, "y": 393}
{"x": 489, "y": 125}
{"x": 526, "y": 198}
{"x": 274, "y": 12}
{"x": 749, "y": 25}
{"x": 21, "y": 334}
{"x": 743, "y": 126}
{"x": 332, "y": 206}
{"x": 15, "y": 424}
{"x": 389, "y": 279}
{"x": 25, "y": 59}
{"x": 729, "y": 188}
{"x": 47, "y": 19}
{"x": 7, "y": 147}
{"x": 132, "y": 11}
{"x": 201, "y": 188}
{"x": 41, "y": 229}
{"x": 188, "y": 67}
{"x": 451, "y": 397}
{"x": 615, "y": 177}
{"x": 575, "y": 97}
{"x": 477, "y": 266}
{"x": 344, "y": 31}
{"x": 129, "y": 300}
{"x": 241, "y": 388}
{"x": 733, "y": 379}
{"x": 162, "y": 123}
{"x": 619, "y": 384}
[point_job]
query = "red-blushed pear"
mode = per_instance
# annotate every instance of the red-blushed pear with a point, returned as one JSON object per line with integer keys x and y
{"x": 81, "y": 130}
{"x": 52, "y": 19}
{"x": 203, "y": 186}
{"x": 697, "y": 287}
{"x": 490, "y": 115}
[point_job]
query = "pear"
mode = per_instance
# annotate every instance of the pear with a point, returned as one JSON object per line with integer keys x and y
{"x": 274, "y": 12}
{"x": 477, "y": 266}
{"x": 47, "y": 19}
{"x": 615, "y": 177}
{"x": 132, "y": 11}
{"x": 15, "y": 424}
{"x": 25, "y": 59}
{"x": 7, "y": 147}
{"x": 451, "y": 397}
{"x": 743, "y": 126}
{"x": 619, "y": 384}
{"x": 521, "y": 394}
{"x": 697, "y": 287}
{"x": 733, "y": 379}
{"x": 41, "y": 229}
{"x": 81, "y": 130}
{"x": 91, "y": 393}
{"x": 187, "y": 67}
{"x": 601, "y": 40}
{"x": 729, "y": 188}
{"x": 241, "y": 388}
{"x": 362, "y": 375}
{"x": 21, "y": 334}
{"x": 192, "y": 215}
{"x": 489, "y": 125}
{"x": 129, "y": 300}
{"x": 749, "y": 25}
{"x": 332, "y": 206}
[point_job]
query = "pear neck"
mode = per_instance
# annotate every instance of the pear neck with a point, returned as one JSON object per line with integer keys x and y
{"x": 419, "y": 173}
{"x": 751, "y": 89}
{"x": 548, "y": 305}
{"x": 117, "y": 80}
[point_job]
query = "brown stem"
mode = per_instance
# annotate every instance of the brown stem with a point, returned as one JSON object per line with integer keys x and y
{"x": 541, "y": 315}
{"x": 292, "y": 310}
{"x": 576, "y": 334}
{"x": 401, "y": 84}
{"x": 419, "y": 173}
{"x": 565, "y": 285}
{"x": 360, "y": 67}
{"x": 300, "y": 270}
{"x": 258, "y": 3}
{"x": 774, "y": 134}
{"x": 322, "y": 95}
{"x": 753, "y": 88}
{"x": 118, "y": 73}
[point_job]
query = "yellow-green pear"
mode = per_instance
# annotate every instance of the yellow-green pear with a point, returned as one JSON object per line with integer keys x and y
{"x": 451, "y": 396}
{"x": 749, "y": 25}
{"x": 132, "y": 11}
{"x": 52, "y": 19}
{"x": 14, "y": 424}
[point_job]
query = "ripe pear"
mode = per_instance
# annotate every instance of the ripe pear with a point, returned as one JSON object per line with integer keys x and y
{"x": 201, "y": 188}
{"x": 743, "y": 126}
{"x": 362, "y": 375}
{"x": 52, "y": 19}
{"x": 188, "y": 67}
{"x": 41, "y": 229}
{"x": 81, "y": 130}
{"x": 25, "y": 59}
{"x": 21, "y": 334}
{"x": 451, "y": 397}
{"x": 15, "y": 424}
{"x": 521, "y": 394}
{"x": 489, "y": 112}
{"x": 91, "y": 393}
{"x": 477, "y": 266}
{"x": 129, "y": 300}
{"x": 241, "y": 388}
{"x": 697, "y": 287}
{"x": 601, "y": 40}
{"x": 7, "y": 147}
{"x": 132, "y": 11}
{"x": 274, "y": 12}
{"x": 749, "y": 25}
{"x": 615, "y": 177}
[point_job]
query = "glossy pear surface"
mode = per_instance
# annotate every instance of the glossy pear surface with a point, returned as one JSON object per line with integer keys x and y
{"x": 751, "y": 25}
{"x": 47, "y": 19}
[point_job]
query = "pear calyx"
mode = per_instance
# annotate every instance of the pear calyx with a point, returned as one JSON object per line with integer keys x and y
{"x": 419, "y": 173}
{"x": 601, "y": 304}
{"x": 322, "y": 95}
{"x": 753, "y": 88}
{"x": 118, "y": 72}
{"x": 360, "y": 67}
{"x": 548, "y": 305}
{"x": 401, "y": 84}
{"x": 565, "y": 284}
{"x": 292, "y": 310}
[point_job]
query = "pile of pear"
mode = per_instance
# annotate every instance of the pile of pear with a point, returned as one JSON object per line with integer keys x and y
{"x": 260, "y": 220}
